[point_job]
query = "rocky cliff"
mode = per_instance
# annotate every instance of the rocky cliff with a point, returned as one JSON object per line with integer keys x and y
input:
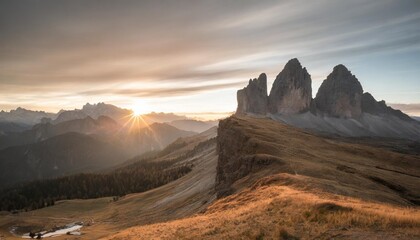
{"x": 253, "y": 98}
{"x": 340, "y": 95}
{"x": 239, "y": 155}
{"x": 292, "y": 91}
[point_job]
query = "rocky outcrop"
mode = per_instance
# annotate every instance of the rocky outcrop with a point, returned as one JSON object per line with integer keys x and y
{"x": 292, "y": 91}
{"x": 340, "y": 95}
{"x": 370, "y": 105}
{"x": 238, "y": 155}
{"x": 253, "y": 98}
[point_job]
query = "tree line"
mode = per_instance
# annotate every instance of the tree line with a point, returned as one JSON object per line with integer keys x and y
{"x": 138, "y": 177}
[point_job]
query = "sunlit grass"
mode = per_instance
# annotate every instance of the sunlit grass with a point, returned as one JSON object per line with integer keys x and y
{"x": 283, "y": 212}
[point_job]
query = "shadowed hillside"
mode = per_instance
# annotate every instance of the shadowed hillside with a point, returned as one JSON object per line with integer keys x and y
{"x": 57, "y": 156}
{"x": 183, "y": 197}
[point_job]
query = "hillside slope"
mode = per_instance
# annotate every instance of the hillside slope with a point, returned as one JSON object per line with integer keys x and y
{"x": 184, "y": 197}
{"x": 285, "y": 183}
{"x": 89, "y": 126}
{"x": 339, "y": 167}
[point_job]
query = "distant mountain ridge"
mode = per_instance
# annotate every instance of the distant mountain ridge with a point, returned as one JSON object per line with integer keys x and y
{"x": 60, "y": 155}
{"x": 24, "y": 116}
{"x": 94, "y": 111}
{"x": 44, "y": 131}
{"x": 339, "y": 107}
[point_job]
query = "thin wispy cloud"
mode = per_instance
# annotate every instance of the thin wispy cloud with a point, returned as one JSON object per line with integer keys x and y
{"x": 90, "y": 50}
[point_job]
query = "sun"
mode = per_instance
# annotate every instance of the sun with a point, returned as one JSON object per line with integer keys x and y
{"x": 138, "y": 108}
{"x": 137, "y": 111}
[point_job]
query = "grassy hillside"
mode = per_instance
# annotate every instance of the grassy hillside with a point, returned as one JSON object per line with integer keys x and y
{"x": 259, "y": 147}
{"x": 285, "y": 183}
{"x": 282, "y": 207}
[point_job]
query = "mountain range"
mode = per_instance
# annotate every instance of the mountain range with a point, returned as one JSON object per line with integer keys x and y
{"x": 22, "y": 119}
{"x": 339, "y": 107}
{"x": 102, "y": 143}
{"x": 47, "y": 149}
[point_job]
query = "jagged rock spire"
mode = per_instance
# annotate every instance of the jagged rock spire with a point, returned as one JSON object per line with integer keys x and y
{"x": 292, "y": 91}
{"x": 253, "y": 98}
{"x": 340, "y": 95}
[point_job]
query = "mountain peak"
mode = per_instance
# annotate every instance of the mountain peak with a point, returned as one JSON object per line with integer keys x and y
{"x": 21, "y": 110}
{"x": 340, "y": 68}
{"x": 260, "y": 82}
{"x": 340, "y": 95}
{"x": 294, "y": 62}
{"x": 262, "y": 77}
{"x": 91, "y": 106}
{"x": 292, "y": 90}
{"x": 253, "y": 98}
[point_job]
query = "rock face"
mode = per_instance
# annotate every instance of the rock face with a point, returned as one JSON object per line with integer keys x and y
{"x": 238, "y": 155}
{"x": 340, "y": 95}
{"x": 253, "y": 98}
{"x": 291, "y": 92}
{"x": 370, "y": 105}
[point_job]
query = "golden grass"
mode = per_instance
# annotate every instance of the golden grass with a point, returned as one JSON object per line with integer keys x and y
{"x": 283, "y": 212}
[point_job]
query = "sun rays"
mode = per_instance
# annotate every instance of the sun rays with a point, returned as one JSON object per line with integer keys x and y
{"x": 135, "y": 123}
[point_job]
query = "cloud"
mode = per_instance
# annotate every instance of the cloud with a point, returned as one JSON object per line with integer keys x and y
{"x": 89, "y": 48}
{"x": 162, "y": 92}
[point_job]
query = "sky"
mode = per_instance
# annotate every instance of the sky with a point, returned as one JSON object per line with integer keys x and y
{"x": 192, "y": 56}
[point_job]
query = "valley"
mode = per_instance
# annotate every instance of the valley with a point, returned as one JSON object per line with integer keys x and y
{"x": 183, "y": 197}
